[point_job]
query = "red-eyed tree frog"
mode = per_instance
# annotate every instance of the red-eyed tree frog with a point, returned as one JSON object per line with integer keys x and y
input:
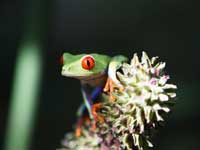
{"x": 93, "y": 70}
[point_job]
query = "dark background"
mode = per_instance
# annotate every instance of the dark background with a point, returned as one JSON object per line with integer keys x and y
{"x": 168, "y": 28}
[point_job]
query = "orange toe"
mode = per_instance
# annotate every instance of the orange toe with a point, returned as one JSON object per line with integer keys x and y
{"x": 111, "y": 97}
{"x": 121, "y": 88}
{"x": 107, "y": 86}
{"x": 81, "y": 121}
{"x": 110, "y": 87}
{"x": 96, "y": 116}
{"x": 94, "y": 126}
{"x": 78, "y": 132}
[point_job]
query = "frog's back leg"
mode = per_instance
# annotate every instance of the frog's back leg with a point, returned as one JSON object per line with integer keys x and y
{"x": 88, "y": 100}
{"x": 88, "y": 103}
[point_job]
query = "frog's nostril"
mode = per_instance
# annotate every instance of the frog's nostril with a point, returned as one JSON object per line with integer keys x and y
{"x": 63, "y": 69}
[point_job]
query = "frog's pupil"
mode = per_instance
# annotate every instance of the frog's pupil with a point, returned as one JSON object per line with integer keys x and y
{"x": 88, "y": 63}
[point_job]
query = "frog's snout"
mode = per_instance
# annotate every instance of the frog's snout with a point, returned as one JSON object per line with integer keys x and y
{"x": 63, "y": 71}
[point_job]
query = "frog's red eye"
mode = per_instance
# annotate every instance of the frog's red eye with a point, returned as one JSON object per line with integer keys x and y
{"x": 61, "y": 60}
{"x": 88, "y": 63}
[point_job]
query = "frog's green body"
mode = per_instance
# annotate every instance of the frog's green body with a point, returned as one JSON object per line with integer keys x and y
{"x": 103, "y": 67}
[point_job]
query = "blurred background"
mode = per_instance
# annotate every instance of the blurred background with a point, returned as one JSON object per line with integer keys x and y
{"x": 35, "y": 33}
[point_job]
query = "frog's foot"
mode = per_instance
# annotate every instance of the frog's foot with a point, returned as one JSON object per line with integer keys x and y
{"x": 80, "y": 122}
{"x": 110, "y": 87}
{"x": 78, "y": 131}
{"x": 96, "y": 116}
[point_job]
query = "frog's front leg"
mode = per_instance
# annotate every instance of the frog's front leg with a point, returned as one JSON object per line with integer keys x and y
{"x": 87, "y": 102}
{"x": 112, "y": 80}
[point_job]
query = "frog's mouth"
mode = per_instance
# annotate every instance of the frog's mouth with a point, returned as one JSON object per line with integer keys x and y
{"x": 93, "y": 80}
{"x": 86, "y": 77}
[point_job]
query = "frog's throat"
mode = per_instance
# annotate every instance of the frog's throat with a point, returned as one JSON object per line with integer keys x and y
{"x": 97, "y": 80}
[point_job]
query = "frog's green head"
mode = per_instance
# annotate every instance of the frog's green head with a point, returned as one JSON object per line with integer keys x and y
{"x": 83, "y": 66}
